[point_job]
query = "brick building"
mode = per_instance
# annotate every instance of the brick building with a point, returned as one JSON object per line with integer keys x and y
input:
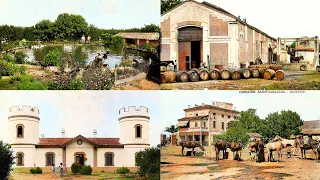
{"x": 193, "y": 33}
{"x": 206, "y": 120}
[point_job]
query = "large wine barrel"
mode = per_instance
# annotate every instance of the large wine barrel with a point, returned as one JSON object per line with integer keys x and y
{"x": 255, "y": 73}
{"x": 269, "y": 74}
{"x": 252, "y": 66}
{"x": 225, "y": 74}
{"x": 276, "y": 67}
{"x": 193, "y": 76}
{"x": 261, "y": 71}
{"x": 167, "y": 77}
{"x": 214, "y": 74}
{"x": 245, "y": 73}
{"x": 235, "y": 74}
{"x": 280, "y": 75}
{"x": 266, "y": 66}
{"x": 218, "y": 67}
{"x": 203, "y": 74}
{"x": 182, "y": 76}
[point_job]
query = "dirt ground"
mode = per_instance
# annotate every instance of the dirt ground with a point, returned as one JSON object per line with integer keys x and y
{"x": 294, "y": 80}
{"x": 175, "y": 166}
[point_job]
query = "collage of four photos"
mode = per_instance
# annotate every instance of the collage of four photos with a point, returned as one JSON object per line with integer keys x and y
{"x": 159, "y": 89}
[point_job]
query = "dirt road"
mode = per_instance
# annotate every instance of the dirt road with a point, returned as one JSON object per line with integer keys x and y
{"x": 175, "y": 166}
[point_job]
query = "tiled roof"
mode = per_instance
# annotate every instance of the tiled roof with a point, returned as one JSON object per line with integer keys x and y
{"x": 62, "y": 142}
{"x": 139, "y": 35}
{"x": 254, "y": 135}
{"x": 206, "y": 106}
{"x": 311, "y": 127}
{"x": 192, "y": 118}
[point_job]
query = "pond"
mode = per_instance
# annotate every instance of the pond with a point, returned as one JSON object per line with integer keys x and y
{"x": 84, "y": 54}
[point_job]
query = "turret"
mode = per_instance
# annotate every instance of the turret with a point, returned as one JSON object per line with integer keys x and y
{"x": 134, "y": 126}
{"x": 23, "y": 125}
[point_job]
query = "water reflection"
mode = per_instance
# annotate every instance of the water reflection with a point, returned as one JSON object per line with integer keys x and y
{"x": 85, "y": 54}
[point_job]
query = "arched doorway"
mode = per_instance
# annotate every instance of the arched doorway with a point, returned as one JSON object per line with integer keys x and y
{"x": 190, "y": 47}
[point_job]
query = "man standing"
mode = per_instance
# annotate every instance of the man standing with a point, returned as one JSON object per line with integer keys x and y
{"x": 61, "y": 170}
{"x": 53, "y": 169}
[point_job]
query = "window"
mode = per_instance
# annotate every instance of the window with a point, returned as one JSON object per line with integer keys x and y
{"x": 196, "y": 114}
{"x": 20, "y": 159}
{"x": 20, "y": 129}
{"x": 214, "y": 124}
{"x": 195, "y": 124}
{"x": 222, "y": 115}
{"x": 222, "y": 125}
{"x": 229, "y": 117}
{"x": 235, "y": 117}
{"x": 228, "y": 125}
{"x": 109, "y": 159}
{"x": 138, "y": 128}
{"x": 204, "y": 124}
{"x": 49, "y": 158}
{"x": 214, "y": 114}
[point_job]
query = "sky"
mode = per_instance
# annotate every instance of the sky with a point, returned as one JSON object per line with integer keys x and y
{"x": 80, "y": 112}
{"x": 305, "y": 104}
{"x": 105, "y": 14}
{"x": 277, "y": 18}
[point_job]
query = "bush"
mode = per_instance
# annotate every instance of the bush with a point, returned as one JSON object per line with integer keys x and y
{"x": 123, "y": 170}
{"x": 32, "y": 171}
{"x": 86, "y": 170}
{"x": 76, "y": 168}
{"x": 38, "y": 170}
{"x": 9, "y": 69}
{"x": 76, "y": 84}
{"x": 148, "y": 162}
{"x": 119, "y": 71}
{"x": 8, "y": 58}
{"x": 97, "y": 79}
{"x": 27, "y": 82}
{"x": 6, "y": 159}
{"x": 52, "y": 58}
{"x": 20, "y": 57}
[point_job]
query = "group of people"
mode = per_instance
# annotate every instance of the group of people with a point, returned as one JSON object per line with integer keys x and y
{"x": 62, "y": 169}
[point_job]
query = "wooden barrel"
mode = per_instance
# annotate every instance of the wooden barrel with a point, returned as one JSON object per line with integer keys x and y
{"x": 193, "y": 76}
{"x": 276, "y": 67}
{"x": 235, "y": 74}
{"x": 182, "y": 76}
{"x": 266, "y": 66}
{"x": 218, "y": 67}
{"x": 245, "y": 73}
{"x": 203, "y": 74}
{"x": 269, "y": 74}
{"x": 252, "y": 66}
{"x": 167, "y": 77}
{"x": 214, "y": 74}
{"x": 280, "y": 75}
{"x": 255, "y": 73}
{"x": 225, "y": 74}
{"x": 261, "y": 71}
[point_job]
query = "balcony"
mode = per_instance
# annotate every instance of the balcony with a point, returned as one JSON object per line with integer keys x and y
{"x": 198, "y": 129}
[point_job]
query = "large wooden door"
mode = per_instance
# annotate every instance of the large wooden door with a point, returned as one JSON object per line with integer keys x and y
{"x": 184, "y": 55}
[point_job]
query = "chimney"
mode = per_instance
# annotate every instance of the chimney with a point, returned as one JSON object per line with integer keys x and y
{"x": 42, "y": 135}
{"x": 95, "y": 132}
{"x": 63, "y": 132}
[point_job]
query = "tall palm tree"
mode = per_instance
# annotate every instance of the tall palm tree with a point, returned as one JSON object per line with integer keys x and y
{"x": 171, "y": 129}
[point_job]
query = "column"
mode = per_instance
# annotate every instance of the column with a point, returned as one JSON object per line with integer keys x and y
{"x": 95, "y": 157}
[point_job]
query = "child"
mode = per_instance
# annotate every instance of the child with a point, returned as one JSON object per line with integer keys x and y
{"x": 53, "y": 169}
{"x": 61, "y": 170}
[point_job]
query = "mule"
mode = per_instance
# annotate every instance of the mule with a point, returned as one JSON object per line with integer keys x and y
{"x": 191, "y": 145}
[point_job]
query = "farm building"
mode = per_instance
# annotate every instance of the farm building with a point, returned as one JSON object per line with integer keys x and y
{"x": 311, "y": 128}
{"x": 202, "y": 122}
{"x": 100, "y": 153}
{"x": 197, "y": 34}
{"x": 254, "y": 136}
{"x": 140, "y": 39}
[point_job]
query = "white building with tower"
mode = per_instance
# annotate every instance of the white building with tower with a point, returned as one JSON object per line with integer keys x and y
{"x": 100, "y": 153}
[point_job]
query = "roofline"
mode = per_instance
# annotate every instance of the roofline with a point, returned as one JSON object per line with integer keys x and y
{"x": 210, "y": 108}
{"x": 210, "y": 6}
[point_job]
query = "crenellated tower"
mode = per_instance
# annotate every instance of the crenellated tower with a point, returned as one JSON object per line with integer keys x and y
{"x": 134, "y": 126}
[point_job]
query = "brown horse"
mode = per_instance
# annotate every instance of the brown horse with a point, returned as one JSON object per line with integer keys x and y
{"x": 189, "y": 145}
{"x": 221, "y": 145}
{"x": 314, "y": 145}
{"x": 236, "y": 147}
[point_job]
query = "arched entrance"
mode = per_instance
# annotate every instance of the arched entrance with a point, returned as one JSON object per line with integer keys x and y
{"x": 190, "y": 47}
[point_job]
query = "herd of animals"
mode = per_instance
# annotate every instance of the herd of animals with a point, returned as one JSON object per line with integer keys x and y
{"x": 258, "y": 148}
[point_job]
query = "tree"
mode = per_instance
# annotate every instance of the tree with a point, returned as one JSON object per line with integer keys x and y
{"x": 6, "y": 160}
{"x": 166, "y": 5}
{"x": 283, "y": 124}
{"x": 171, "y": 129}
{"x": 150, "y": 28}
{"x": 94, "y": 32}
{"x": 234, "y": 134}
{"x": 44, "y": 30}
{"x": 148, "y": 162}
{"x": 248, "y": 120}
{"x": 70, "y": 26}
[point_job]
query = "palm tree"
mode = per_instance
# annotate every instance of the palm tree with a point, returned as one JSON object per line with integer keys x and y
{"x": 171, "y": 129}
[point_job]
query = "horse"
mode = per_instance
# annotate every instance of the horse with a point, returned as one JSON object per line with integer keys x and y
{"x": 314, "y": 145}
{"x": 221, "y": 145}
{"x": 288, "y": 142}
{"x": 191, "y": 144}
{"x": 274, "y": 146}
{"x": 253, "y": 150}
{"x": 236, "y": 147}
